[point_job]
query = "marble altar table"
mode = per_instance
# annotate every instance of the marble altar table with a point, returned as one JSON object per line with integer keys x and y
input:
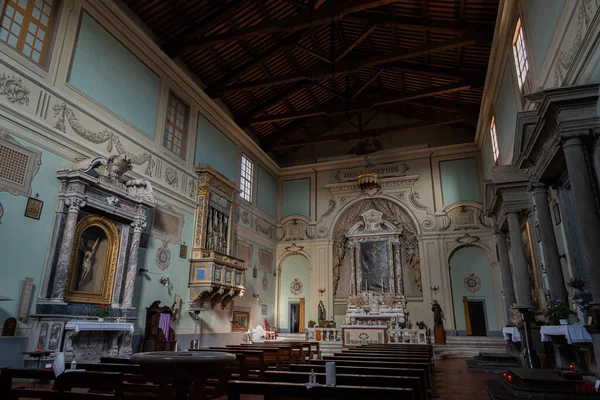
{"x": 511, "y": 333}
{"x": 573, "y": 333}
{"x": 357, "y": 335}
{"x": 90, "y": 340}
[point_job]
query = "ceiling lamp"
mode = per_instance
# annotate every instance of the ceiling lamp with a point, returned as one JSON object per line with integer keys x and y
{"x": 368, "y": 180}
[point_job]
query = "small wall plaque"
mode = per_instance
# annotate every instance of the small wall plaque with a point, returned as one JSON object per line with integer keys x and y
{"x": 183, "y": 251}
{"x": 34, "y": 208}
{"x": 144, "y": 240}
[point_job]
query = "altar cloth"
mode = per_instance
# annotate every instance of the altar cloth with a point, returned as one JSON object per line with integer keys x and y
{"x": 573, "y": 333}
{"x": 78, "y": 326}
{"x": 515, "y": 336}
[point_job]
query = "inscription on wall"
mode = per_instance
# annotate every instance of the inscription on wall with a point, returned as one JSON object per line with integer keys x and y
{"x": 388, "y": 170}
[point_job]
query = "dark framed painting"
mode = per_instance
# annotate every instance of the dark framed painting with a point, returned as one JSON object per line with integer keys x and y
{"x": 144, "y": 239}
{"x": 34, "y": 208}
{"x": 183, "y": 251}
{"x": 240, "y": 321}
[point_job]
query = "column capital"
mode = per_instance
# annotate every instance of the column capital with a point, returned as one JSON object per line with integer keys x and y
{"x": 500, "y": 233}
{"x": 138, "y": 225}
{"x": 571, "y": 140}
{"x": 74, "y": 204}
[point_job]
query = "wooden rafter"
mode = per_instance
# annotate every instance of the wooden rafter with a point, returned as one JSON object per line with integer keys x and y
{"x": 324, "y": 15}
{"x": 366, "y": 84}
{"x": 358, "y": 41}
{"x": 372, "y": 133}
{"x": 419, "y": 94}
{"x": 350, "y": 66}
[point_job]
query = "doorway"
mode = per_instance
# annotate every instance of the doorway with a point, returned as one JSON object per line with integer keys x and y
{"x": 294, "y": 317}
{"x": 477, "y": 317}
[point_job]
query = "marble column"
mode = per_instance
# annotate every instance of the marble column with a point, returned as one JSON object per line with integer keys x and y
{"x": 507, "y": 280}
{"x": 586, "y": 212}
{"x": 398, "y": 269}
{"x": 138, "y": 226}
{"x": 353, "y": 285}
{"x": 520, "y": 270}
{"x": 66, "y": 248}
{"x": 554, "y": 272}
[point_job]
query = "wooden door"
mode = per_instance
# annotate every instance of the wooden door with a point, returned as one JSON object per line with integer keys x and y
{"x": 301, "y": 319}
{"x": 477, "y": 318}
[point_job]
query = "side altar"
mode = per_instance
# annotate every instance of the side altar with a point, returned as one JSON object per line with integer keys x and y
{"x": 92, "y": 261}
{"x": 377, "y": 305}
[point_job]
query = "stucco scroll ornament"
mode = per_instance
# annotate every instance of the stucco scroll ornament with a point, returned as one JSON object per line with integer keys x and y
{"x": 64, "y": 113}
{"x": 467, "y": 240}
{"x": 171, "y": 177}
{"x": 140, "y": 188}
{"x": 294, "y": 248}
{"x": 13, "y": 88}
{"x": 330, "y": 208}
{"x": 414, "y": 199}
{"x": 586, "y": 11}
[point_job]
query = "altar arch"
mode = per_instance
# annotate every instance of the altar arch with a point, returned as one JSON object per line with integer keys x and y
{"x": 394, "y": 212}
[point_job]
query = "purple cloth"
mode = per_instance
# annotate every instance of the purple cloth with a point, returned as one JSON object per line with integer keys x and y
{"x": 164, "y": 323}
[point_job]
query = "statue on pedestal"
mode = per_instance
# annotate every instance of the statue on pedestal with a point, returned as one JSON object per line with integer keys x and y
{"x": 321, "y": 312}
{"x": 438, "y": 314}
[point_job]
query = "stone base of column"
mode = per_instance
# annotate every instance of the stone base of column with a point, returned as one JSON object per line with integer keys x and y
{"x": 530, "y": 335}
{"x": 54, "y": 301}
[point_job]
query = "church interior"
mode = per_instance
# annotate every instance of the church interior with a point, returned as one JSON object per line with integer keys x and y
{"x": 299, "y": 199}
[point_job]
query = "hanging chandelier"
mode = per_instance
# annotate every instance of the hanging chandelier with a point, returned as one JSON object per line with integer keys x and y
{"x": 368, "y": 180}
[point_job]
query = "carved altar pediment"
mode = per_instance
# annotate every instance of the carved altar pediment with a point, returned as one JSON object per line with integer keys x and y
{"x": 373, "y": 223}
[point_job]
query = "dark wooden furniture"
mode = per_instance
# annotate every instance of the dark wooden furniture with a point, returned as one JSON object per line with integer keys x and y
{"x": 154, "y": 338}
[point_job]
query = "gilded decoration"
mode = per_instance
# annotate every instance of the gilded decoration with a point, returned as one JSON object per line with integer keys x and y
{"x": 13, "y": 88}
{"x": 93, "y": 261}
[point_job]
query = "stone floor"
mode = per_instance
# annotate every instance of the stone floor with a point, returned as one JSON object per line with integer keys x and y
{"x": 454, "y": 382}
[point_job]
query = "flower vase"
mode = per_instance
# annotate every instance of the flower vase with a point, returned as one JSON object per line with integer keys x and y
{"x": 100, "y": 319}
{"x": 582, "y": 316}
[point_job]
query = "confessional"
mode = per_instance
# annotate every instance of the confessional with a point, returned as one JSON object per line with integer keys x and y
{"x": 158, "y": 334}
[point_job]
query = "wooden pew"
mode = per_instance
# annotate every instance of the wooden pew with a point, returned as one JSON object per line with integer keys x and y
{"x": 284, "y": 351}
{"x": 254, "y": 360}
{"x": 272, "y": 355}
{"x": 299, "y": 390}
{"x": 381, "y": 364}
{"x": 357, "y": 370}
{"x": 409, "y": 382}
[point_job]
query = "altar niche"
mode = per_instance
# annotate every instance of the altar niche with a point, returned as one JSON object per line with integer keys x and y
{"x": 376, "y": 266}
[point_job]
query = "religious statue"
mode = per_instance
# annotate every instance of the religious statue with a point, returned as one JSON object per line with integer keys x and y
{"x": 89, "y": 253}
{"x": 438, "y": 314}
{"x": 321, "y": 313}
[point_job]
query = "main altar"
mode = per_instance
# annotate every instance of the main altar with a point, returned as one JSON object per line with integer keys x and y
{"x": 377, "y": 306}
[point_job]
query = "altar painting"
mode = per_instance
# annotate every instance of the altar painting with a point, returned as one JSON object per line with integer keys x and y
{"x": 374, "y": 258}
{"x": 93, "y": 261}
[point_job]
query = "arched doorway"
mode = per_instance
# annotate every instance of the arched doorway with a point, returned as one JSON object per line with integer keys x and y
{"x": 295, "y": 294}
{"x": 472, "y": 292}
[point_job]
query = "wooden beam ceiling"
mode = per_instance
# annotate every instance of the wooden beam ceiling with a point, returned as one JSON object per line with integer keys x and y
{"x": 309, "y": 19}
{"x": 350, "y": 66}
{"x": 372, "y": 133}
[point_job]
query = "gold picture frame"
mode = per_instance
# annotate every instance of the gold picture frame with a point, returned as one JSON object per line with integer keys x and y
{"x": 531, "y": 264}
{"x": 93, "y": 261}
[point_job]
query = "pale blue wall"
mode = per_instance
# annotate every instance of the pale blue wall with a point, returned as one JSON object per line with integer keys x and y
{"x": 296, "y": 266}
{"x": 214, "y": 148}
{"x": 542, "y": 16}
{"x": 487, "y": 156}
{"x": 267, "y": 192}
{"x": 506, "y": 117}
{"x": 110, "y": 74}
{"x": 24, "y": 242}
{"x": 147, "y": 286}
{"x": 460, "y": 180}
{"x": 295, "y": 198}
{"x": 468, "y": 260}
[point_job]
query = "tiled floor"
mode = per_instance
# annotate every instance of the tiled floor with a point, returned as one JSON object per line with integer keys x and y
{"x": 454, "y": 382}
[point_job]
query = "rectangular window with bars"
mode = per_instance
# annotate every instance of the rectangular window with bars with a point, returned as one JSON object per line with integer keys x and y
{"x": 521, "y": 59}
{"x": 176, "y": 125}
{"x": 246, "y": 173}
{"x": 26, "y": 25}
{"x": 494, "y": 139}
